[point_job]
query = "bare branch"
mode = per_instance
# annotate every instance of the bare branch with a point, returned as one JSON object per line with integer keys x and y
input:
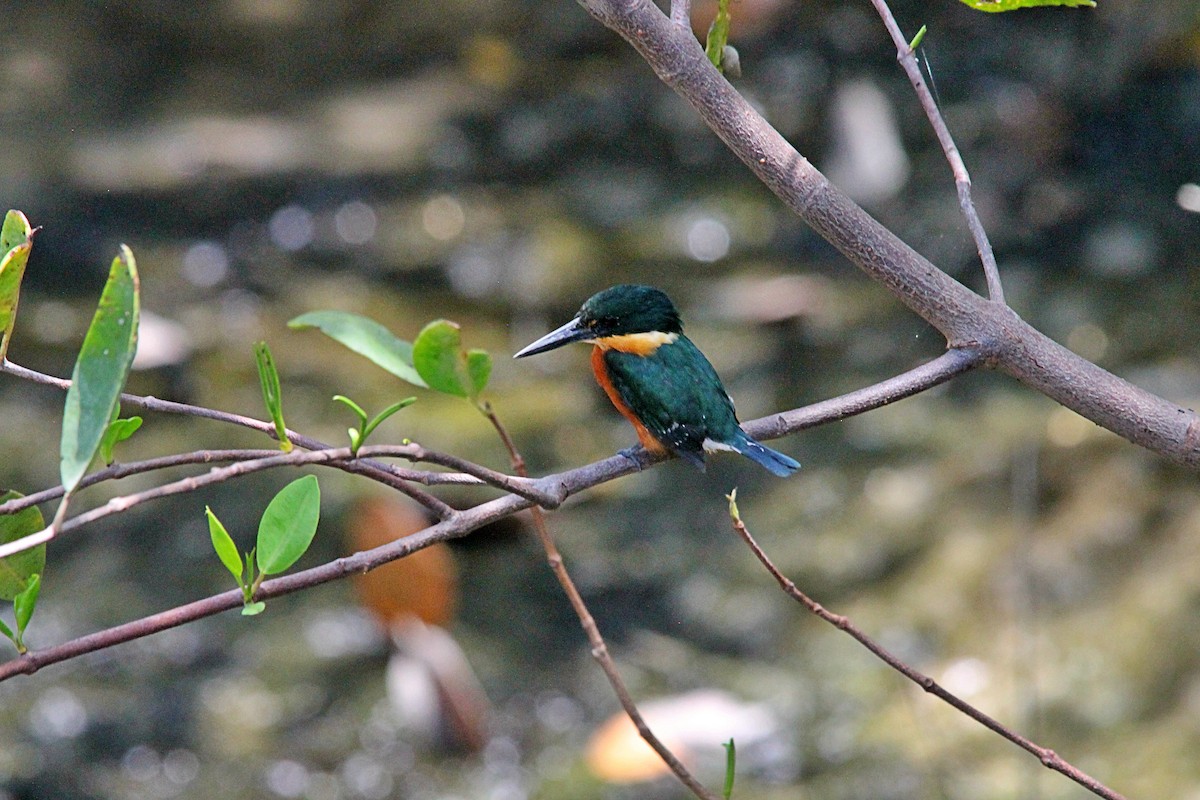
{"x": 962, "y": 179}
{"x": 118, "y": 471}
{"x": 1047, "y": 756}
{"x": 946, "y": 366}
{"x": 591, "y": 629}
{"x": 521, "y": 486}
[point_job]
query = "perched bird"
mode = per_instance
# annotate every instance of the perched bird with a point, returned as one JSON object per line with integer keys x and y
{"x": 657, "y": 378}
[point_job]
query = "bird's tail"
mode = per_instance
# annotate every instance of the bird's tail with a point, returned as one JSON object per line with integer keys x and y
{"x": 772, "y": 460}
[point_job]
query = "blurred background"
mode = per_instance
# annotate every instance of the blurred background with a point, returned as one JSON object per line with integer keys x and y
{"x": 496, "y": 162}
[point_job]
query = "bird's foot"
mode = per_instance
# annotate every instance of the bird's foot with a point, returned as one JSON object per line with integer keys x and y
{"x": 637, "y": 454}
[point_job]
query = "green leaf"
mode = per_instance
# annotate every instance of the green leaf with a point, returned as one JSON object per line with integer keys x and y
{"x": 1012, "y": 5}
{"x": 222, "y": 542}
{"x": 7, "y": 631}
{"x": 16, "y": 570}
{"x": 353, "y": 406}
{"x": 15, "y": 244}
{"x": 365, "y": 337}
{"x": 358, "y": 436}
{"x": 252, "y": 609}
{"x": 101, "y": 369}
{"x": 25, "y": 603}
{"x": 268, "y": 378}
{"x": 730, "y": 768}
{"x": 916, "y": 40}
{"x": 288, "y": 525}
{"x": 439, "y": 358}
{"x": 369, "y": 428}
{"x": 718, "y": 35}
{"x": 118, "y": 431}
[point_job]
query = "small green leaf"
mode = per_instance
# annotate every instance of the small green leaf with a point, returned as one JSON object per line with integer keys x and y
{"x": 288, "y": 525}
{"x": 439, "y": 358}
{"x": 718, "y": 35}
{"x": 268, "y": 378}
{"x": 15, "y": 244}
{"x": 370, "y": 427}
{"x": 16, "y": 570}
{"x": 734, "y": 514}
{"x": 252, "y": 609}
{"x": 101, "y": 369}
{"x": 25, "y": 603}
{"x": 730, "y": 767}
{"x": 7, "y": 631}
{"x": 916, "y": 40}
{"x": 365, "y": 337}
{"x": 353, "y": 406}
{"x": 356, "y": 434}
{"x": 994, "y": 6}
{"x": 118, "y": 431}
{"x": 222, "y": 542}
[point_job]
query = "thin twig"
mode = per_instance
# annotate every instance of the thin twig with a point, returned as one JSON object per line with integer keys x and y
{"x": 384, "y": 473}
{"x": 933, "y": 373}
{"x": 521, "y": 485}
{"x": 1047, "y": 756}
{"x": 376, "y": 470}
{"x": 296, "y": 458}
{"x": 117, "y": 471}
{"x": 590, "y": 628}
{"x": 962, "y": 179}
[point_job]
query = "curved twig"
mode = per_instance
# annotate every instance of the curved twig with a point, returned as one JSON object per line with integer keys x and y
{"x": 1047, "y": 756}
{"x": 590, "y": 629}
{"x": 962, "y": 179}
{"x": 519, "y": 486}
{"x": 386, "y": 473}
{"x": 331, "y": 457}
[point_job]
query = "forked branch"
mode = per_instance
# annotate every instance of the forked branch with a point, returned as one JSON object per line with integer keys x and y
{"x": 1007, "y": 342}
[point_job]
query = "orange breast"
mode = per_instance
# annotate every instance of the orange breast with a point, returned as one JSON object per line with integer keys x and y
{"x": 599, "y": 369}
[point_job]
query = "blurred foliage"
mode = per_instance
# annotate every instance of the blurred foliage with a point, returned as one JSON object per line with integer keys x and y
{"x": 497, "y": 162}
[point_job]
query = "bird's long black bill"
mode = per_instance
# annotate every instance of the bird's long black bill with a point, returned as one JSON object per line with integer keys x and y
{"x": 571, "y": 332}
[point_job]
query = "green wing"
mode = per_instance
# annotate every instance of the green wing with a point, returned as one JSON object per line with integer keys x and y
{"x": 676, "y": 394}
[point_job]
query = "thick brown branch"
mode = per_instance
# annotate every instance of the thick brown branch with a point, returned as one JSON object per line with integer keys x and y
{"x": 965, "y": 318}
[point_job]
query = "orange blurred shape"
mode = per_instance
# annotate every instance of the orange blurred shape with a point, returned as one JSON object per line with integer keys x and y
{"x": 691, "y": 725}
{"x": 429, "y": 681}
{"x": 422, "y": 585}
{"x": 617, "y": 753}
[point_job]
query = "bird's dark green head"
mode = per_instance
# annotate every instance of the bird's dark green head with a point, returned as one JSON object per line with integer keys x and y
{"x": 618, "y": 311}
{"x": 629, "y": 309}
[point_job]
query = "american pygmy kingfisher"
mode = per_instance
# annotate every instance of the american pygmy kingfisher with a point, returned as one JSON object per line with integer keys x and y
{"x": 657, "y": 378}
